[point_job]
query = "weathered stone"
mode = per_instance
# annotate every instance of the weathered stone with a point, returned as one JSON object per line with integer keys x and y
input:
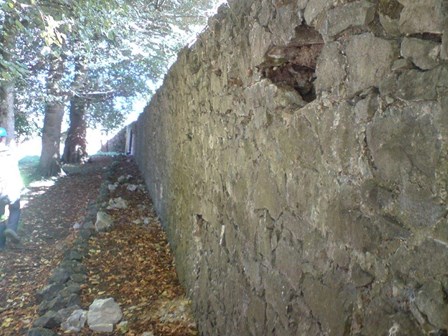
{"x": 418, "y": 85}
{"x": 59, "y": 276}
{"x": 103, "y": 221}
{"x": 395, "y": 158}
{"x": 41, "y": 332}
{"x": 444, "y": 46}
{"x": 78, "y": 277}
{"x": 75, "y": 255}
{"x": 424, "y": 54}
{"x": 401, "y": 64}
{"x": 284, "y": 24}
{"x": 389, "y": 85}
{"x": 370, "y": 59}
{"x": 301, "y": 216}
{"x": 117, "y": 203}
{"x": 391, "y": 26}
{"x": 73, "y": 266}
{"x": 430, "y": 301}
{"x": 423, "y": 16}
{"x": 360, "y": 277}
{"x": 329, "y": 304}
{"x": 314, "y": 8}
{"x": 64, "y": 313}
{"x": 330, "y": 71}
{"x": 49, "y": 292}
{"x": 72, "y": 288}
{"x": 76, "y": 321}
{"x": 103, "y": 314}
{"x": 49, "y": 320}
{"x": 353, "y": 14}
{"x": 59, "y": 302}
{"x": 432, "y": 256}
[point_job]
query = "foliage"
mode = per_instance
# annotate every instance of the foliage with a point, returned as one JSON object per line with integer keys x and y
{"x": 125, "y": 44}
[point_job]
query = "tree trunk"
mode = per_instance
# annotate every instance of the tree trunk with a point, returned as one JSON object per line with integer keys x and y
{"x": 76, "y": 145}
{"x": 7, "y": 108}
{"x": 49, "y": 164}
{"x": 7, "y": 42}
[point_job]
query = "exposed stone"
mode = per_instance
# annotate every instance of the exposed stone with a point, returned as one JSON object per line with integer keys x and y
{"x": 76, "y": 321}
{"x": 314, "y": 8}
{"x": 103, "y": 221}
{"x": 370, "y": 59}
{"x": 444, "y": 46}
{"x": 41, "y": 332}
{"x": 59, "y": 302}
{"x": 103, "y": 314}
{"x": 401, "y": 64}
{"x": 423, "y": 16}
{"x": 117, "y": 203}
{"x": 353, "y": 14}
{"x": 49, "y": 320}
{"x": 330, "y": 72}
{"x": 49, "y": 292}
{"x": 424, "y": 54}
{"x": 59, "y": 276}
{"x": 282, "y": 26}
{"x": 328, "y": 304}
{"x": 294, "y": 216}
{"x": 360, "y": 277}
{"x": 418, "y": 85}
{"x": 431, "y": 301}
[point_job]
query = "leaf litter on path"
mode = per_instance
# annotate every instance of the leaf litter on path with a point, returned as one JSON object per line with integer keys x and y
{"x": 131, "y": 262}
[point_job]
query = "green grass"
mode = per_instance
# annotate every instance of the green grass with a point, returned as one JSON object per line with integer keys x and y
{"x": 28, "y": 167}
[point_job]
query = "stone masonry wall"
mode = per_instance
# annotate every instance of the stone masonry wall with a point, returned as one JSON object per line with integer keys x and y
{"x": 297, "y": 155}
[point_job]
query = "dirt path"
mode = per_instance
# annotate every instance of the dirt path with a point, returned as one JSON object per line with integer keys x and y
{"x": 131, "y": 263}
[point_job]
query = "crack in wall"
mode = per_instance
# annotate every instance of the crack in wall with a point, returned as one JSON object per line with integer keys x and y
{"x": 294, "y": 65}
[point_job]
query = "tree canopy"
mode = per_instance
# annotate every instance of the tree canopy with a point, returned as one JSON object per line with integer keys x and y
{"x": 92, "y": 57}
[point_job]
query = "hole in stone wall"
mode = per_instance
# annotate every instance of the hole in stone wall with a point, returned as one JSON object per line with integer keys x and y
{"x": 294, "y": 65}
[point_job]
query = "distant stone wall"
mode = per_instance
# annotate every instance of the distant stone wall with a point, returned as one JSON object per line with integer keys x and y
{"x": 298, "y": 157}
{"x": 122, "y": 142}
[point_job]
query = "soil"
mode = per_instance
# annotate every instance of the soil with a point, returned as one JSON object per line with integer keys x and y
{"x": 131, "y": 262}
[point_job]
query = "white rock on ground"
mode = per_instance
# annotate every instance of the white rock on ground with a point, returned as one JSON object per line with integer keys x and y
{"x": 103, "y": 221}
{"x": 103, "y": 314}
{"x": 76, "y": 321}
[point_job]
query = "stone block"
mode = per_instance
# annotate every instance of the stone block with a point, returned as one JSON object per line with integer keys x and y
{"x": 354, "y": 14}
{"x": 314, "y": 9}
{"x": 330, "y": 70}
{"x": 266, "y": 193}
{"x": 444, "y": 47}
{"x": 417, "y": 85}
{"x": 398, "y": 143}
{"x": 430, "y": 302}
{"x": 423, "y": 16}
{"x": 256, "y": 315}
{"x": 331, "y": 305}
{"x": 424, "y": 54}
{"x": 103, "y": 314}
{"x": 284, "y": 23}
{"x": 369, "y": 59}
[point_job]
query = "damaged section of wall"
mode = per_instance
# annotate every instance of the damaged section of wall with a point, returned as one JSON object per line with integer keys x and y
{"x": 297, "y": 155}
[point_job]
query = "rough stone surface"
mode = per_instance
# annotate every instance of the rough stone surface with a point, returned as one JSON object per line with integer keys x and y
{"x": 423, "y": 16}
{"x": 41, "y": 332}
{"x": 424, "y": 54}
{"x": 354, "y": 14}
{"x": 316, "y": 215}
{"x": 103, "y": 221}
{"x": 76, "y": 321}
{"x": 103, "y": 314}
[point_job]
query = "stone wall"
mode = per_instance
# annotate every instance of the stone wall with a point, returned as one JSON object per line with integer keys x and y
{"x": 122, "y": 142}
{"x": 297, "y": 155}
